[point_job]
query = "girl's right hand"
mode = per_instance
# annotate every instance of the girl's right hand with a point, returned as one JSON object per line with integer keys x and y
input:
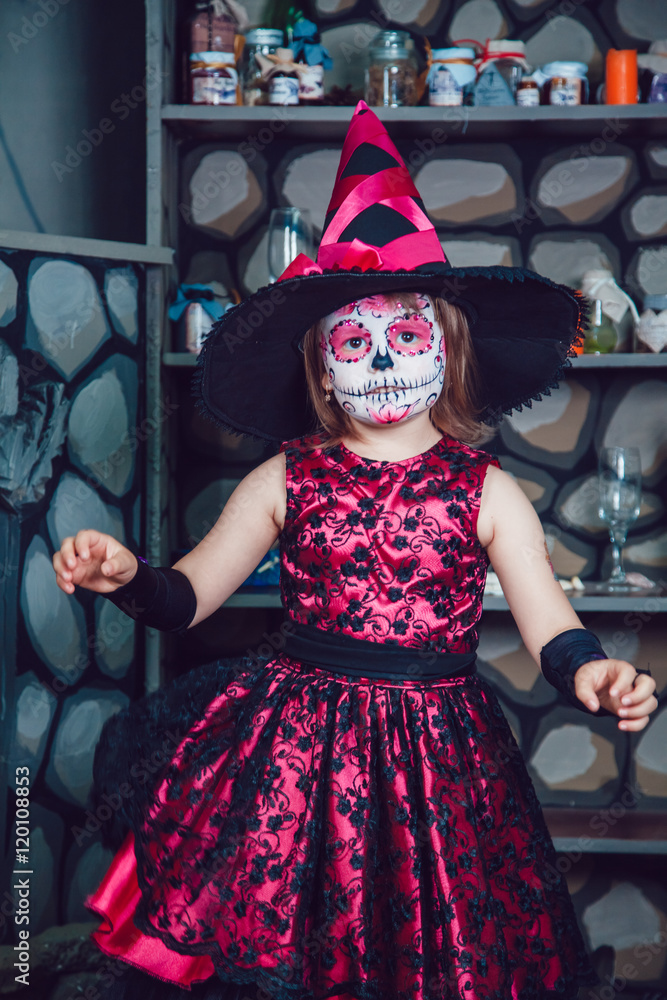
{"x": 93, "y": 560}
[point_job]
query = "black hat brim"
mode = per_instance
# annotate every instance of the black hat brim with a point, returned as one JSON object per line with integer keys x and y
{"x": 250, "y": 379}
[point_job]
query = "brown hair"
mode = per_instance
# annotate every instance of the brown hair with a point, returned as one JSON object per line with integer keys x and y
{"x": 456, "y": 411}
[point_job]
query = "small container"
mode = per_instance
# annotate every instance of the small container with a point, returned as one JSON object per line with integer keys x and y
{"x": 213, "y": 78}
{"x": 528, "y": 93}
{"x": 193, "y": 328}
{"x": 284, "y": 79}
{"x": 311, "y": 84}
{"x": 265, "y": 41}
{"x": 391, "y": 77}
{"x": 566, "y": 83}
{"x": 451, "y": 74}
{"x": 658, "y": 91}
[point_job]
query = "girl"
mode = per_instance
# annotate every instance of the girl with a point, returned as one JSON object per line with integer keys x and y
{"x": 352, "y": 817}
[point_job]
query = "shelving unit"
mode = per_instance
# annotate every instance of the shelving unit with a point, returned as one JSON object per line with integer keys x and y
{"x": 171, "y": 125}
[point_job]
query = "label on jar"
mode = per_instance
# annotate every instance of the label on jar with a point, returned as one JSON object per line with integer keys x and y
{"x": 528, "y": 97}
{"x": 565, "y": 90}
{"x": 443, "y": 90}
{"x": 284, "y": 90}
{"x": 215, "y": 89}
{"x": 311, "y": 83}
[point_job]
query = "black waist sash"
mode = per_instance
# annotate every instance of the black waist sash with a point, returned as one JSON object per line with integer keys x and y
{"x": 344, "y": 654}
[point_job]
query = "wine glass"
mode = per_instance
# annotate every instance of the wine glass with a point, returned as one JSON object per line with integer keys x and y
{"x": 620, "y": 494}
{"x": 290, "y": 233}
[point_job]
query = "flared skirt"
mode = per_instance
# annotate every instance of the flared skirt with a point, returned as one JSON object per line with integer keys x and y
{"x": 308, "y": 835}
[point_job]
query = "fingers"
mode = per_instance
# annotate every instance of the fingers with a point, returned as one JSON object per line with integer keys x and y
{"x": 621, "y": 678}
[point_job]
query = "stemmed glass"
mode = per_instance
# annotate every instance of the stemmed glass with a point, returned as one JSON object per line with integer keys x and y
{"x": 620, "y": 494}
{"x": 290, "y": 233}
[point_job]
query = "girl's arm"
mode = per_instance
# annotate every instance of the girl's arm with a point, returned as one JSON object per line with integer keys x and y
{"x": 248, "y": 526}
{"x": 512, "y": 534}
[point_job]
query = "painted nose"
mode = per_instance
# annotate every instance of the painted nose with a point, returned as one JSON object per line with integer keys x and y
{"x": 382, "y": 361}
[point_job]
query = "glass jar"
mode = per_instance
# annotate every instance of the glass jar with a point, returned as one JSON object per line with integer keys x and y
{"x": 213, "y": 78}
{"x": 211, "y": 32}
{"x": 500, "y": 70}
{"x": 451, "y": 73}
{"x": 566, "y": 83}
{"x": 262, "y": 41}
{"x": 391, "y": 77}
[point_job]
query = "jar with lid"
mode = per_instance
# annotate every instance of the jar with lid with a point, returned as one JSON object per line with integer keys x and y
{"x": 391, "y": 76}
{"x": 500, "y": 70}
{"x": 450, "y": 76}
{"x": 211, "y": 28}
{"x": 213, "y": 78}
{"x": 263, "y": 42}
{"x": 566, "y": 83}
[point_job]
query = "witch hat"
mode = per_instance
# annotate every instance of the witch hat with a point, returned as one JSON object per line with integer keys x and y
{"x": 377, "y": 238}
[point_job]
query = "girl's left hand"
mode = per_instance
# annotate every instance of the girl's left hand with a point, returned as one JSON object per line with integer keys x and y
{"x": 616, "y": 686}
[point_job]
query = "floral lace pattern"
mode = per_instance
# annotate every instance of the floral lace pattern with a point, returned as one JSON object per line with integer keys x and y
{"x": 386, "y": 551}
{"x": 324, "y": 836}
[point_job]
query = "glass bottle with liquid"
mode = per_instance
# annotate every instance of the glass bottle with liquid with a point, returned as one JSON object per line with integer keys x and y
{"x": 602, "y": 336}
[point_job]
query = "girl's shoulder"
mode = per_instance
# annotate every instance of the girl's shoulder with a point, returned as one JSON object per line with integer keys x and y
{"x": 305, "y": 445}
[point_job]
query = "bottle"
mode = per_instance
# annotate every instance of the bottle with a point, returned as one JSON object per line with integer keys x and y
{"x": 601, "y": 338}
{"x": 284, "y": 80}
{"x": 528, "y": 93}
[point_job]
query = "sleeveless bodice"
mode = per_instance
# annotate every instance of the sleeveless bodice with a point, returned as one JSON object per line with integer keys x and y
{"x": 386, "y": 551}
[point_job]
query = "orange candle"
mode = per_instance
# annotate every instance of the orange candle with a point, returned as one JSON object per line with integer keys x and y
{"x": 621, "y": 82}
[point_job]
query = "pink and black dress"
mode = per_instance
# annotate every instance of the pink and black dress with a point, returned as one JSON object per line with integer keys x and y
{"x": 351, "y": 818}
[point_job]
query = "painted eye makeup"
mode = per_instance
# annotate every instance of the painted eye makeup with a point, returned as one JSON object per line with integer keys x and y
{"x": 411, "y": 335}
{"x": 349, "y": 341}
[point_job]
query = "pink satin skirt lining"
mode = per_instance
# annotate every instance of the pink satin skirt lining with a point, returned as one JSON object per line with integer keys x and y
{"x": 115, "y": 901}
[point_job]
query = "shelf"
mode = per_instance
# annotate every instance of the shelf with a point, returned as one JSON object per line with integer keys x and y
{"x": 269, "y": 597}
{"x": 600, "y": 832}
{"x": 611, "y": 123}
{"x": 182, "y": 359}
{"x": 620, "y": 361}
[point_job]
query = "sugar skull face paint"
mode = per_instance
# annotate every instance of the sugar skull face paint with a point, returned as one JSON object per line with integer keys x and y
{"x": 385, "y": 362}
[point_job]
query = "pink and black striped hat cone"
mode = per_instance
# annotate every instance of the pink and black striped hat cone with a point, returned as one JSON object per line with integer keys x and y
{"x": 376, "y": 220}
{"x": 378, "y": 238}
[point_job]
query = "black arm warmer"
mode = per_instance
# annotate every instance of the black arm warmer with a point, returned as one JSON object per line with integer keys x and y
{"x": 157, "y": 596}
{"x": 561, "y": 658}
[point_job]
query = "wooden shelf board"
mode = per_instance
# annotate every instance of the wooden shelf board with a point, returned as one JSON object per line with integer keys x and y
{"x": 611, "y": 123}
{"x": 599, "y": 831}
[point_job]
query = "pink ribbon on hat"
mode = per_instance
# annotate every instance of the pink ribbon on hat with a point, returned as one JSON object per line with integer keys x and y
{"x": 417, "y": 248}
